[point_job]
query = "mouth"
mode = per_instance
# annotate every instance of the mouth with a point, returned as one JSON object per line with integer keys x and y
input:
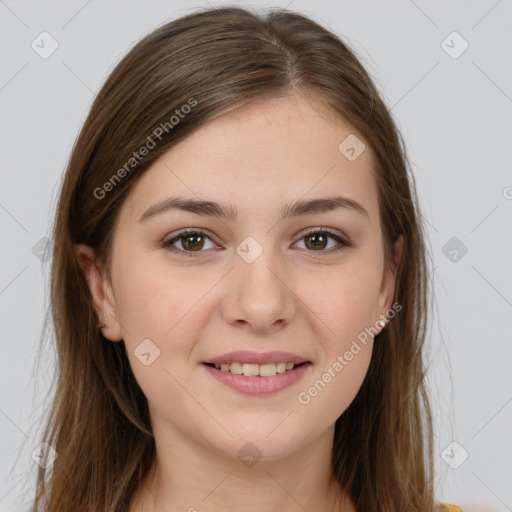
{"x": 257, "y": 370}
{"x": 253, "y": 374}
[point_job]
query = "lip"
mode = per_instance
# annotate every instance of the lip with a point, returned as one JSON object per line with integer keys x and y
{"x": 245, "y": 356}
{"x": 259, "y": 385}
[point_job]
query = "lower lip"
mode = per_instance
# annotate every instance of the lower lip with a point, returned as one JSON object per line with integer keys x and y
{"x": 259, "y": 385}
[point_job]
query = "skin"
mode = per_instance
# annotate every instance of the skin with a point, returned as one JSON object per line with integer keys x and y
{"x": 293, "y": 297}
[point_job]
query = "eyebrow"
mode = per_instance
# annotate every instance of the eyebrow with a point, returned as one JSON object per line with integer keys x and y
{"x": 214, "y": 209}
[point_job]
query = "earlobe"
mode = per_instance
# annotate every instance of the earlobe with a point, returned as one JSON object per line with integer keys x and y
{"x": 100, "y": 289}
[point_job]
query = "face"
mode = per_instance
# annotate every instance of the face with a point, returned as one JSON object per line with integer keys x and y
{"x": 297, "y": 288}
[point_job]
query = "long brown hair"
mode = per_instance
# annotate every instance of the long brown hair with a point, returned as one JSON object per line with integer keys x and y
{"x": 214, "y": 61}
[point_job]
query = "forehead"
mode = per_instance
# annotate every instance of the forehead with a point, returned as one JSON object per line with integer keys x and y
{"x": 262, "y": 155}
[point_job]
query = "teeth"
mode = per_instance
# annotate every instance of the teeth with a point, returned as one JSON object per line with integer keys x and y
{"x": 235, "y": 368}
{"x": 280, "y": 367}
{"x": 250, "y": 370}
{"x": 253, "y": 370}
{"x": 268, "y": 370}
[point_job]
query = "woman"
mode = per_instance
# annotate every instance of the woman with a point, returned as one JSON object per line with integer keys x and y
{"x": 239, "y": 283}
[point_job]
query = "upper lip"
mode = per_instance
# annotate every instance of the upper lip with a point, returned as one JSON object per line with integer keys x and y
{"x": 244, "y": 356}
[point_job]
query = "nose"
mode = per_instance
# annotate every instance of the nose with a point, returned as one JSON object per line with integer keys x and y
{"x": 259, "y": 295}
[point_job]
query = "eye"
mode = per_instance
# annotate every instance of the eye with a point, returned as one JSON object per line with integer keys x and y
{"x": 318, "y": 238}
{"x": 191, "y": 241}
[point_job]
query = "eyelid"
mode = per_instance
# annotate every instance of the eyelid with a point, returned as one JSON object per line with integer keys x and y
{"x": 329, "y": 231}
{"x": 169, "y": 239}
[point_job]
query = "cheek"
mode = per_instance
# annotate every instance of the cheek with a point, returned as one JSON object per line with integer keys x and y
{"x": 158, "y": 305}
{"x": 155, "y": 300}
{"x": 340, "y": 382}
{"x": 344, "y": 305}
{"x": 166, "y": 306}
{"x": 343, "y": 365}
{"x": 344, "y": 308}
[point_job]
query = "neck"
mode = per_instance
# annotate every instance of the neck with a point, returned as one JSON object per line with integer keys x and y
{"x": 199, "y": 479}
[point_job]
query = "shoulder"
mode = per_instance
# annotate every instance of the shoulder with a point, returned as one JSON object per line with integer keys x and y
{"x": 448, "y": 507}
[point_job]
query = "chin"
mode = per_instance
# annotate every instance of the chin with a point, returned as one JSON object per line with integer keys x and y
{"x": 264, "y": 442}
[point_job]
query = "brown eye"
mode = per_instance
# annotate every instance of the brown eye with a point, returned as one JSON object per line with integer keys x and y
{"x": 193, "y": 241}
{"x": 190, "y": 241}
{"x": 317, "y": 241}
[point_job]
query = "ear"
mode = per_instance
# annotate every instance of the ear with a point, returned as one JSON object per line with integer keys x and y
{"x": 101, "y": 291}
{"x": 387, "y": 290}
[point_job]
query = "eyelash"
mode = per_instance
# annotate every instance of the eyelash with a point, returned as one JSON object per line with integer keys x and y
{"x": 343, "y": 243}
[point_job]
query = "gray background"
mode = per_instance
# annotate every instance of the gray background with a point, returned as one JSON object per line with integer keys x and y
{"x": 455, "y": 115}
